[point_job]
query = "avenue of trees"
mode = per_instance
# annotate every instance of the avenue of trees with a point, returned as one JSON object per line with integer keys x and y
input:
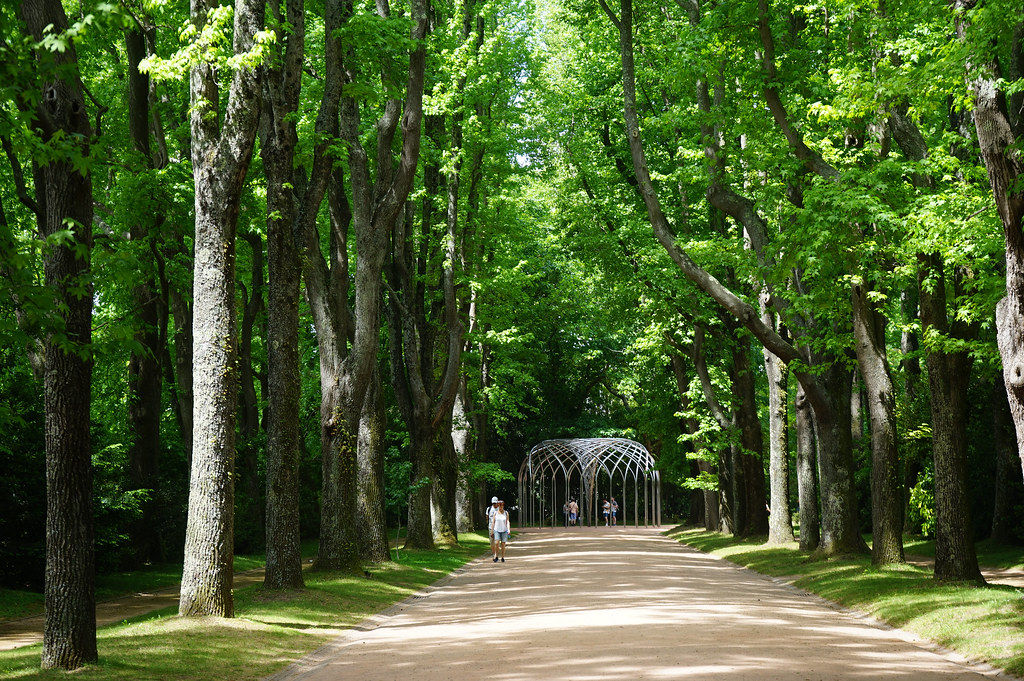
{"x": 289, "y": 271}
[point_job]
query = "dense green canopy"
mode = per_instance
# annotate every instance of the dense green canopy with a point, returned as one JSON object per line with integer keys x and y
{"x": 275, "y": 271}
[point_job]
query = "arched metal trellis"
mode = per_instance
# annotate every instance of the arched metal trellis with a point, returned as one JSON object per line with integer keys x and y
{"x": 556, "y": 471}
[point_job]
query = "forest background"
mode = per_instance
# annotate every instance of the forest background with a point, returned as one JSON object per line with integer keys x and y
{"x": 351, "y": 261}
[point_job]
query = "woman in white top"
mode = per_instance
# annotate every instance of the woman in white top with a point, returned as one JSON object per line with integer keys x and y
{"x": 501, "y": 525}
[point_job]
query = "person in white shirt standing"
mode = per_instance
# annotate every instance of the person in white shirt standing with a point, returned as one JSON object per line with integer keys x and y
{"x": 490, "y": 525}
{"x": 501, "y": 526}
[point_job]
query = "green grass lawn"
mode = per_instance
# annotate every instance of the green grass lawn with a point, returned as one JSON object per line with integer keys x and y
{"x": 269, "y": 630}
{"x": 990, "y": 554}
{"x": 984, "y": 623}
{"x": 14, "y": 603}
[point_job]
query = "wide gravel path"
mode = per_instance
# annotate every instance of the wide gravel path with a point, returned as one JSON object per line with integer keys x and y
{"x": 594, "y": 604}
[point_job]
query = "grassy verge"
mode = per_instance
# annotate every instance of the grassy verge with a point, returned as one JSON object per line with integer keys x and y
{"x": 990, "y": 554}
{"x": 15, "y": 603}
{"x": 982, "y": 623}
{"x": 268, "y": 632}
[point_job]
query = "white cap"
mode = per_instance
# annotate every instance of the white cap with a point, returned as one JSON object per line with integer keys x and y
{"x": 494, "y": 500}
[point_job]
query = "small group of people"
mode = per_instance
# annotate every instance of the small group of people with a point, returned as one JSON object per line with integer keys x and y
{"x": 499, "y": 525}
{"x": 610, "y": 508}
{"x": 571, "y": 511}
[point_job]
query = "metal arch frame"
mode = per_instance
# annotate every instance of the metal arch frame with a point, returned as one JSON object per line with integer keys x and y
{"x": 587, "y": 458}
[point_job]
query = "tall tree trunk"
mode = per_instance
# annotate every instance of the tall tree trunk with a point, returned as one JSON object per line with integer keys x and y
{"x": 373, "y": 536}
{"x": 806, "y": 474}
{"x": 886, "y": 494}
{"x": 63, "y": 196}
{"x": 282, "y": 84}
{"x": 420, "y": 531}
{"x": 948, "y": 373}
{"x": 780, "y": 522}
{"x": 840, "y": 533}
{"x": 339, "y": 542}
{"x": 220, "y": 159}
{"x": 444, "y": 488}
{"x": 462, "y": 440}
{"x": 144, "y": 377}
{"x": 1000, "y": 129}
{"x": 284, "y": 555}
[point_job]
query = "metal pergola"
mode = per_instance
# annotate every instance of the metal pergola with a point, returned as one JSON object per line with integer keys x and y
{"x": 554, "y": 469}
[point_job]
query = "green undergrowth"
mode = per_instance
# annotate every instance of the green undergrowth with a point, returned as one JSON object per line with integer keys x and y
{"x": 983, "y": 623}
{"x": 15, "y": 603}
{"x": 269, "y": 630}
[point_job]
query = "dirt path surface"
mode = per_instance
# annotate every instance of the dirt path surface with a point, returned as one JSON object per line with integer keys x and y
{"x": 597, "y": 604}
{"x": 29, "y": 630}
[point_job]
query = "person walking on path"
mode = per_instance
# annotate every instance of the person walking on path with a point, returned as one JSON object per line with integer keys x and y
{"x": 615, "y": 509}
{"x": 606, "y": 508}
{"x": 490, "y": 524}
{"x": 501, "y": 526}
{"x": 574, "y": 511}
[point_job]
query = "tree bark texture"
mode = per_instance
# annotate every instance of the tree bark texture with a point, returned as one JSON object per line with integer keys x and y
{"x": 886, "y": 493}
{"x": 1000, "y": 131}
{"x": 65, "y": 195}
{"x": 840, "y": 533}
{"x": 444, "y": 488}
{"x": 220, "y": 158}
{"x": 780, "y": 522}
{"x": 948, "y": 374}
{"x": 806, "y": 474}
{"x": 278, "y": 137}
{"x": 373, "y": 535}
{"x": 348, "y": 338}
{"x": 462, "y": 435}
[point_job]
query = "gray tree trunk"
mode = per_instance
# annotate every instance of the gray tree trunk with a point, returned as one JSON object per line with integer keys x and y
{"x": 780, "y": 522}
{"x": 220, "y": 159}
{"x": 1000, "y": 129}
{"x": 65, "y": 195}
{"x": 840, "y": 533}
{"x": 278, "y": 136}
{"x": 373, "y": 533}
{"x": 886, "y": 493}
{"x": 462, "y": 436}
{"x": 806, "y": 474}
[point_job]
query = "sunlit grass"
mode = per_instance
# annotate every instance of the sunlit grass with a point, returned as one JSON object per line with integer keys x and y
{"x": 269, "y": 630}
{"x": 983, "y": 623}
{"x": 15, "y": 603}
